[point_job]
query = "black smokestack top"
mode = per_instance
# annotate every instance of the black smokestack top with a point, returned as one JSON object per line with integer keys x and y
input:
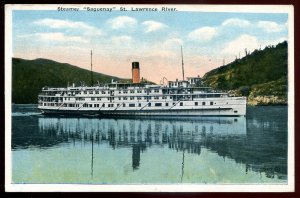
{"x": 135, "y": 65}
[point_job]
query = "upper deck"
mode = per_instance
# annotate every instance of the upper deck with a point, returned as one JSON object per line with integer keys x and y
{"x": 127, "y": 89}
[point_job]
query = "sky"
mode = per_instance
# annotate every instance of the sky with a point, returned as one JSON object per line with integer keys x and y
{"x": 152, "y": 38}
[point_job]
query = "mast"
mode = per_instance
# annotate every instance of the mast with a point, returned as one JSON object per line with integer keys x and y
{"x": 182, "y": 64}
{"x": 92, "y": 81}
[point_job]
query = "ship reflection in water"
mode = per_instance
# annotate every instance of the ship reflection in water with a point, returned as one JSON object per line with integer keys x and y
{"x": 254, "y": 144}
{"x": 180, "y": 135}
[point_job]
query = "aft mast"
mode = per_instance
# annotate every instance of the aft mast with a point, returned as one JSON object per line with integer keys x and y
{"x": 182, "y": 64}
{"x": 92, "y": 80}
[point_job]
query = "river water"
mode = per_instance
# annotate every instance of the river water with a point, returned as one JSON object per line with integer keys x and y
{"x": 205, "y": 150}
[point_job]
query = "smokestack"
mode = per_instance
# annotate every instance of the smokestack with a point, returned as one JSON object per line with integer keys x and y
{"x": 135, "y": 72}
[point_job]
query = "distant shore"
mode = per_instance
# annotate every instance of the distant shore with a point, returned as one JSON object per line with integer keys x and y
{"x": 266, "y": 100}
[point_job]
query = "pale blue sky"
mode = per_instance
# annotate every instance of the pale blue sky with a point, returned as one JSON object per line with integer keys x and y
{"x": 153, "y": 38}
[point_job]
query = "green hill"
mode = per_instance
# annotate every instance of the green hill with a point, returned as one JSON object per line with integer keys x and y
{"x": 261, "y": 75}
{"x": 29, "y": 76}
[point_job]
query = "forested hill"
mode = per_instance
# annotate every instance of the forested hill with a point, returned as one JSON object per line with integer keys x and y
{"x": 261, "y": 75}
{"x": 29, "y": 76}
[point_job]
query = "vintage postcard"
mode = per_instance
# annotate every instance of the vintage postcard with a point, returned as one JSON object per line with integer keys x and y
{"x": 149, "y": 98}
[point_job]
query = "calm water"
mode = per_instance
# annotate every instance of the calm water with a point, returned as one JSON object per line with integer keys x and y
{"x": 204, "y": 150}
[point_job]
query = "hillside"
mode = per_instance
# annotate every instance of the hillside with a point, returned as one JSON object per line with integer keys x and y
{"x": 29, "y": 76}
{"x": 261, "y": 75}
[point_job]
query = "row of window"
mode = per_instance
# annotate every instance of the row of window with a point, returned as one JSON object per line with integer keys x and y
{"x": 99, "y": 92}
{"x": 139, "y": 91}
{"x": 203, "y": 103}
{"x": 120, "y": 98}
{"x": 124, "y": 105}
{"x": 130, "y": 98}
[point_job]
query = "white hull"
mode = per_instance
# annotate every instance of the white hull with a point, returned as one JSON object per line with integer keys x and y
{"x": 236, "y": 107}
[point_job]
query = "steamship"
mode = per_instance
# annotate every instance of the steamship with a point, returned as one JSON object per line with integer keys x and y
{"x": 175, "y": 98}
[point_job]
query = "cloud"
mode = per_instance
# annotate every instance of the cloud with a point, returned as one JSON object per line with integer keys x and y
{"x": 122, "y": 39}
{"x": 57, "y": 23}
{"x": 57, "y": 36}
{"x": 122, "y": 22}
{"x": 173, "y": 41}
{"x": 66, "y": 24}
{"x": 267, "y": 26}
{"x": 152, "y": 26}
{"x": 203, "y": 34}
{"x": 236, "y": 22}
{"x": 270, "y": 26}
{"x": 160, "y": 53}
{"x": 172, "y": 44}
{"x": 273, "y": 42}
{"x": 239, "y": 45}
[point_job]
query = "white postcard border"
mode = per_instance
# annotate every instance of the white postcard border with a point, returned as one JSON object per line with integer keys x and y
{"x": 290, "y": 187}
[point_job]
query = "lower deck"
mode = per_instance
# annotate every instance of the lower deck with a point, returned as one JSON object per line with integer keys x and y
{"x": 224, "y": 111}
